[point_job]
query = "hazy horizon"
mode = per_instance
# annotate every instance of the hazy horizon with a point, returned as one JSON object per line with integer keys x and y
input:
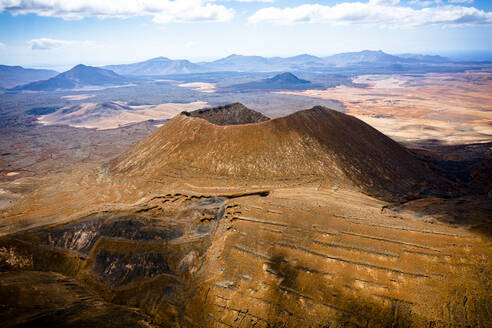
{"x": 471, "y": 56}
{"x": 64, "y": 33}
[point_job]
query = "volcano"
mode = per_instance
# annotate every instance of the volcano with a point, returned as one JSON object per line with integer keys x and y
{"x": 283, "y": 81}
{"x": 318, "y": 143}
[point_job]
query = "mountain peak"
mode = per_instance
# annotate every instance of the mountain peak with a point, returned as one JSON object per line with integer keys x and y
{"x": 160, "y": 58}
{"x": 305, "y": 56}
{"x": 283, "y": 81}
{"x": 367, "y": 51}
{"x": 78, "y": 76}
{"x": 81, "y": 69}
{"x": 156, "y": 66}
{"x": 286, "y": 77}
{"x": 79, "y": 66}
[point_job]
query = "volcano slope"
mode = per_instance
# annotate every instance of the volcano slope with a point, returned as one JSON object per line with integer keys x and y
{"x": 288, "y": 222}
{"x": 316, "y": 144}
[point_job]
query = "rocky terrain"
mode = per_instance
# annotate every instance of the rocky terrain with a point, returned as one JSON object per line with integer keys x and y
{"x": 232, "y": 114}
{"x": 224, "y": 218}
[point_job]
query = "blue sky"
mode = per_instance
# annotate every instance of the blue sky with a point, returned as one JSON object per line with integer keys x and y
{"x": 62, "y": 33}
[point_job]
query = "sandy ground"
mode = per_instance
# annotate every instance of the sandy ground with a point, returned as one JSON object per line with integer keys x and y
{"x": 77, "y": 97}
{"x": 199, "y": 86}
{"x": 381, "y": 81}
{"x": 89, "y": 115}
{"x": 450, "y": 108}
{"x": 99, "y": 88}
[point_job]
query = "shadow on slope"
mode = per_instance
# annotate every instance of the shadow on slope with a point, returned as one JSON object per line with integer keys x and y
{"x": 318, "y": 143}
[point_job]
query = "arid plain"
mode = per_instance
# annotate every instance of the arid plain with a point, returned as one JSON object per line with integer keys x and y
{"x": 447, "y": 108}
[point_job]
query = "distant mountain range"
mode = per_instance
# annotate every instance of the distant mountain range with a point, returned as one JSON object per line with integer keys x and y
{"x": 368, "y": 57}
{"x": 263, "y": 64}
{"x": 284, "y": 81}
{"x": 79, "y": 76}
{"x": 363, "y": 62}
{"x": 11, "y": 76}
{"x": 305, "y": 62}
{"x": 362, "y": 57}
{"x": 156, "y": 66}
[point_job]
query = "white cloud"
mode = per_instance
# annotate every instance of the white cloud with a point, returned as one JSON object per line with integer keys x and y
{"x": 255, "y": 0}
{"x": 384, "y": 2}
{"x": 460, "y": 1}
{"x": 2, "y": 44}
{"x": 162, "y": 11}
{"x": 358, "y": 13}
{"x": 241, "y": 1}
{"x": 425, "y": 3}
{"x": 48, "y": 44}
